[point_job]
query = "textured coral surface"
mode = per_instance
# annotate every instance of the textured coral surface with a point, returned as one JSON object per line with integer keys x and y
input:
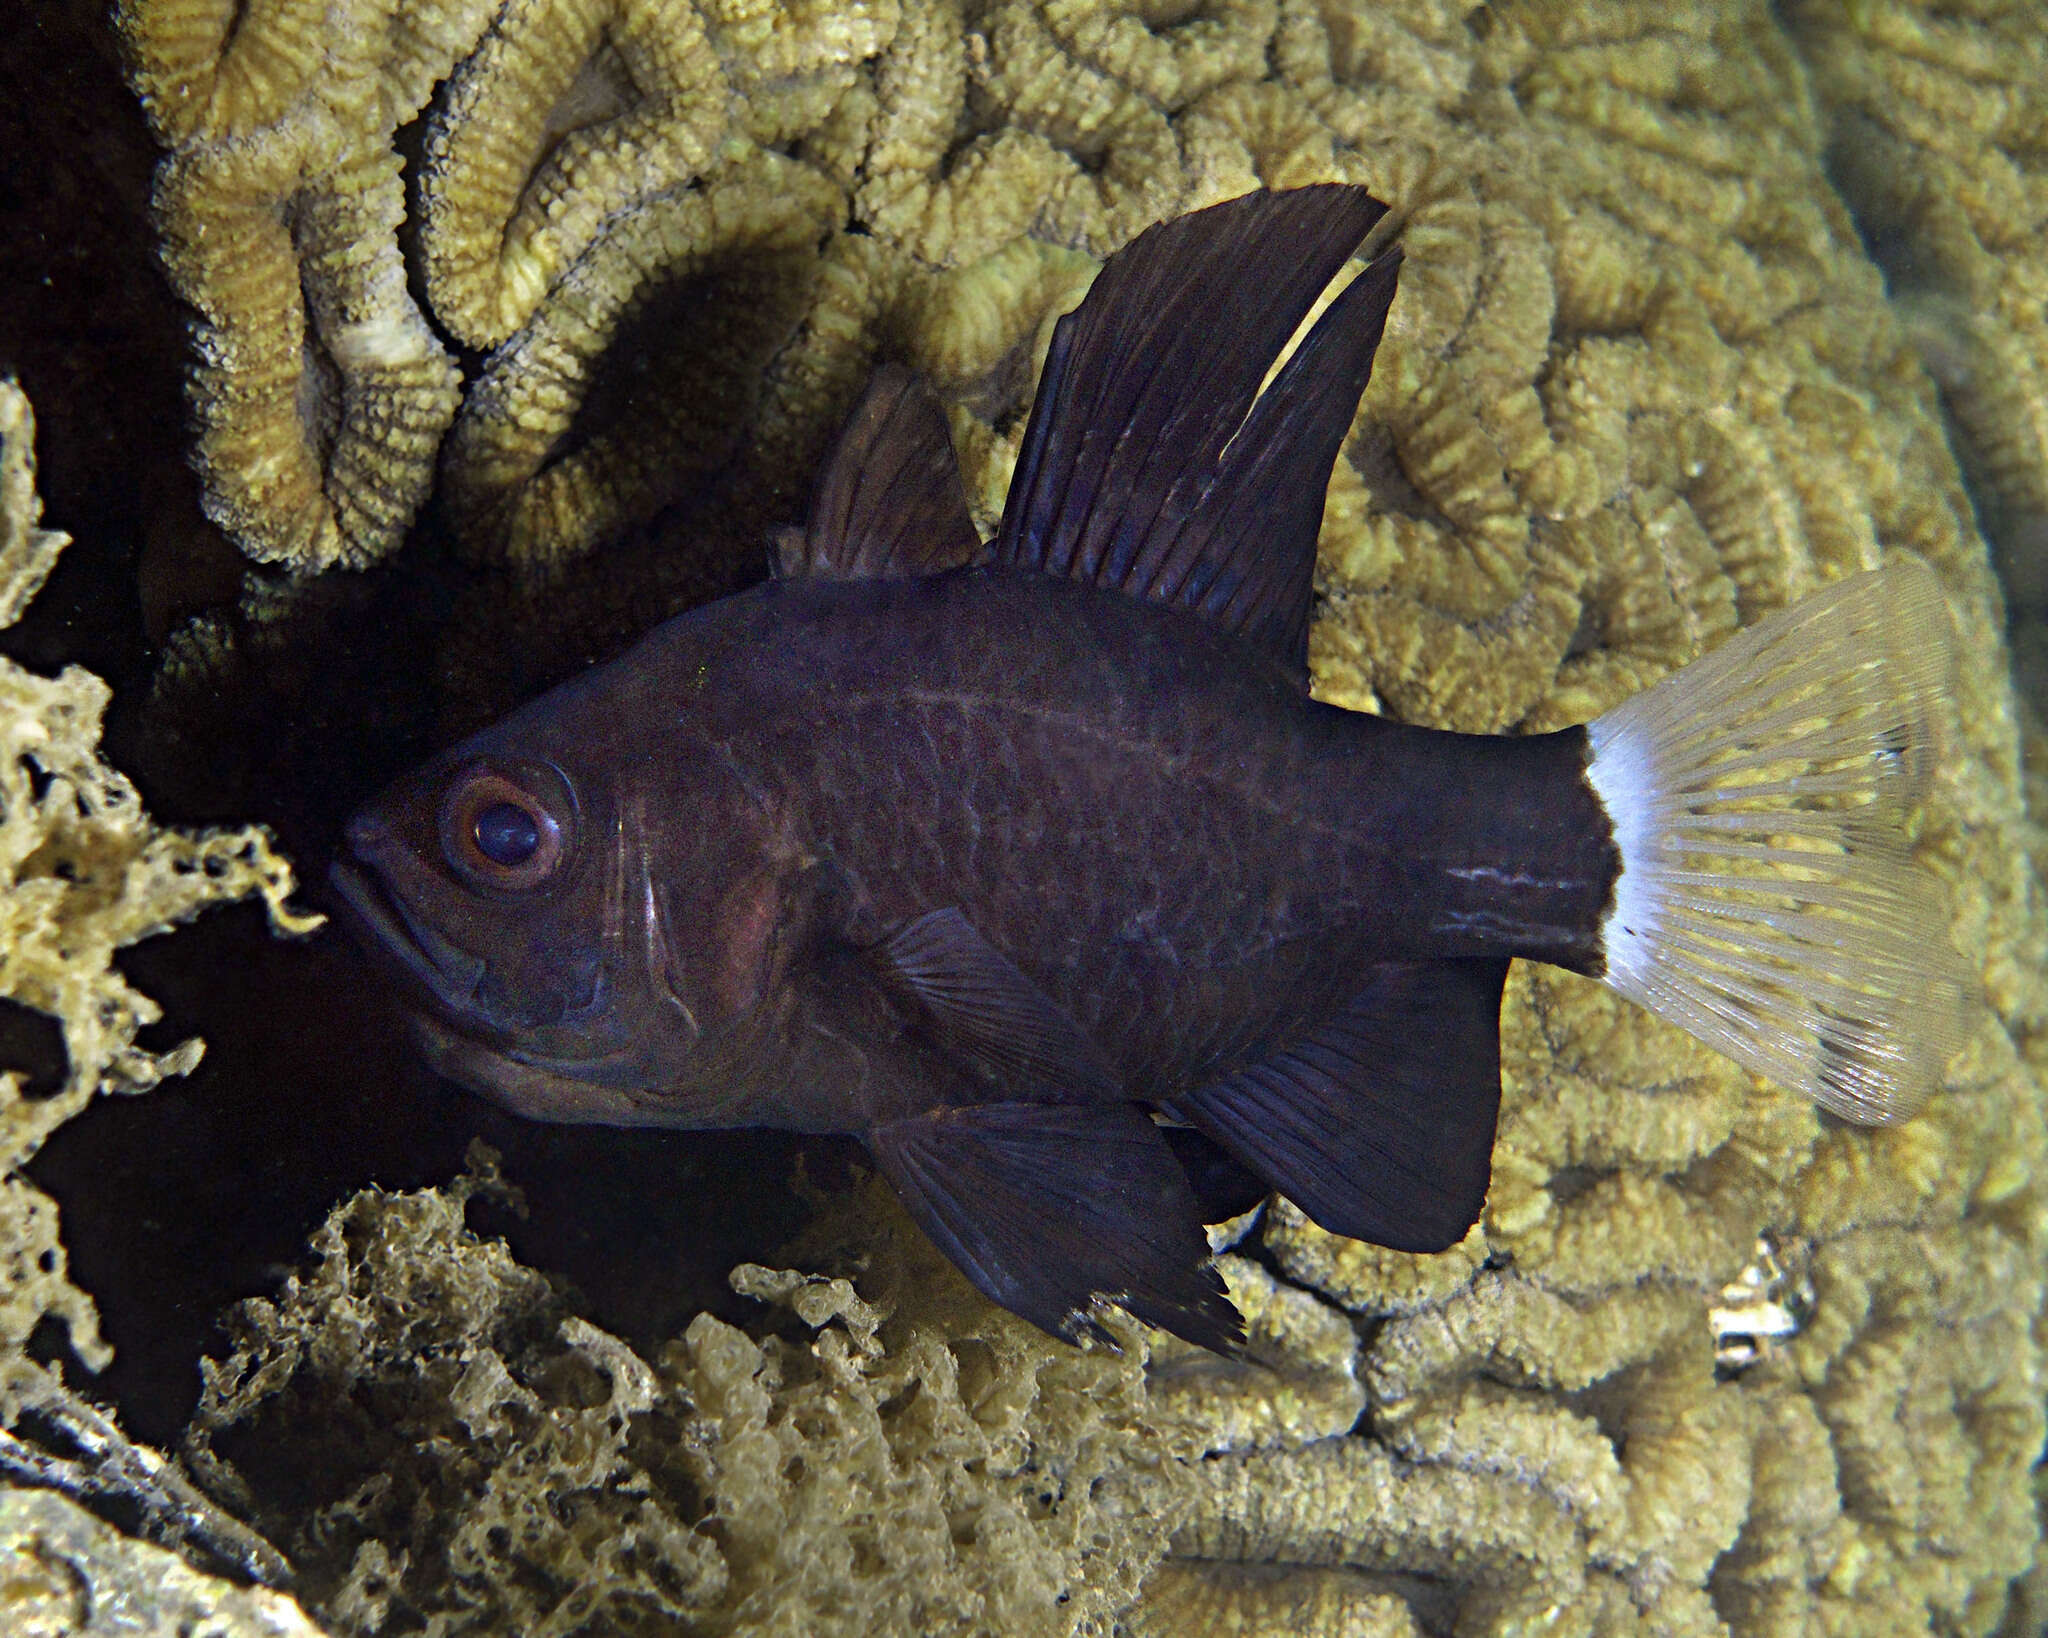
{"x": 1709, "y": 1362}
{"x": 480, "y": 1458}
{"x": 71, "y": 1575}
{"x": 320, "y": 390}
{"x": 84, "y": 873}
{"x": 1938, "y": 120}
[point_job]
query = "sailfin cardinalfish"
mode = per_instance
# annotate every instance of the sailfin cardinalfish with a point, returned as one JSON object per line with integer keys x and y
{"x": 1034, "y": 863}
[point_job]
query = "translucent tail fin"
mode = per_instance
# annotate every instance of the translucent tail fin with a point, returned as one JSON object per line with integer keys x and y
{"x": 1767, "y": 901}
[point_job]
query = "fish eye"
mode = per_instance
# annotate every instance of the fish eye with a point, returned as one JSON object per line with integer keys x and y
{"x": 497, "y": 830}
{"x": 506, "y": 834}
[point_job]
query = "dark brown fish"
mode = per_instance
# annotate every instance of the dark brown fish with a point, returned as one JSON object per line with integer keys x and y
{"x": 992, "y": 855}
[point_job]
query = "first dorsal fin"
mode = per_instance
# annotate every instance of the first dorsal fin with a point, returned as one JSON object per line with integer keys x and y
{"x": 889, "y": 504}
{"x": 1152, "y": 463}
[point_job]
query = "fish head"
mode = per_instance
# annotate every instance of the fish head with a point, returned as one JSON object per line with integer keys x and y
{"x": 586, "y": 925}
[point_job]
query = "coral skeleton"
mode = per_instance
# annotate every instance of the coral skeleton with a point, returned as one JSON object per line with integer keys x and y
{"x": 84, "y": 873}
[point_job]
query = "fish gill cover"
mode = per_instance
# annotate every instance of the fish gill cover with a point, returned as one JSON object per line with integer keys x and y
{"x": 1641, "y": 385}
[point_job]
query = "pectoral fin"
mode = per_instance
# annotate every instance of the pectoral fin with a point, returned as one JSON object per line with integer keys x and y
{"x": 1048, "y": 1206}
{"x": 980, "y": 1010}
{"x": 1379, "y": 1124}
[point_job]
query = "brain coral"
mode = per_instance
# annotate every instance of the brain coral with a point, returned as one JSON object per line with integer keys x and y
{"x": 320, "y": 390}
{"x": 1709, "y": 1362}
{"x": 1939, "y": 142}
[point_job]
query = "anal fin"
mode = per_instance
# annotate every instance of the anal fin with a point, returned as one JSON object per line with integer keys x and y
{"x": 1379, "y": 1123}
{"x": 1046, "y": 1207}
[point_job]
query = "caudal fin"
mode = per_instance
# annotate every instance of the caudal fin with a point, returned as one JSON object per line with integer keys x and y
{"x": 1767, "y": 900}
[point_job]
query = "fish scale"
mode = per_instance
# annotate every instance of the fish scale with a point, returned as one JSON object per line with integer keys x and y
{"x": 1142, "y": 766}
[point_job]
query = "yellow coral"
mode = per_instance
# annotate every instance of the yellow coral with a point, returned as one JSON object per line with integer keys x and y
{"x": 989, "y": 192}
{"x": 321, "y": 392}
{"x": 622, "y": 100}
{"x": 922, "y": 1463}
{"x": 592, "y": 159}
{"x": 1640, "y": 389}
{"x": 1301, "y": 1384}
{"x": 66, "y": 1568}
{"x": 84, "y": 873}
{"x": 759, "y": 218}
{"x": 1256, "y": 1601}
{"x": 1937, "y": 116}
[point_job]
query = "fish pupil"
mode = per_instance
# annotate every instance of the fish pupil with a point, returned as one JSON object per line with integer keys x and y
{"x": 506, "y": 834}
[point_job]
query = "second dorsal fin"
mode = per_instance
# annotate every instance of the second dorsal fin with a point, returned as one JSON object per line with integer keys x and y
{"x": 889, "y": 504}
{"x": 1153, "y": 464}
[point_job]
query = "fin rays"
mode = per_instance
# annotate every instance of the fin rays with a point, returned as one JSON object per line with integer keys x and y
{"x": 1767, "y": 901}
{"x": 1153, "y": 464}
{"x": 889, "y": 503}
{"x": 1379, "y": 1124}
{"x": 1048, "y": 1207}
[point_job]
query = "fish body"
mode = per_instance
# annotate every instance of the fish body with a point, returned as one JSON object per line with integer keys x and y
{"x": 1188, "y": 856}
{"x": 992, "y": 855}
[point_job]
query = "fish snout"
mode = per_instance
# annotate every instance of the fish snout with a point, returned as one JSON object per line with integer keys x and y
{"x": 366, "y": 833}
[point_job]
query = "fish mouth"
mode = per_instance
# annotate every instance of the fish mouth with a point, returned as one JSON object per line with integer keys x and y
{"x": 449, "y": 975}
{"x": 450, "y": 982}
{"x": 589, "y": 1067}
{"x": 458, "y": 1042}
{"x": 558, "y": 1091}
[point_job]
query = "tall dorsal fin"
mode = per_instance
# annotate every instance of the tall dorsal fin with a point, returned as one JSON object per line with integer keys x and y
{"x": 1152, "y": 463}
{"x": 889, "y": 504}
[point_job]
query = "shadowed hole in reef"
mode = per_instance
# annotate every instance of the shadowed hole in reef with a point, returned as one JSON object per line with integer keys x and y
{"x": 976, "y": 1369}
{"x": 704, "y": 341}
{"x": 39, "y": 779}
{"x": 647, "y": 1225}
{"x": 119, "y": 1505}
{"x": 49, "y": 1343}
{"x": 32, "y": 1046}
{"x": 179, "y": 1204}
{"x": 1567, "y": 1183}
{"x": 1943, "y": 324}
{"x": 88, "y": 326}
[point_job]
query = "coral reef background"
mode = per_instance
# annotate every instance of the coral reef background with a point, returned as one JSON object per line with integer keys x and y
{"x": 1704, "y": 304}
